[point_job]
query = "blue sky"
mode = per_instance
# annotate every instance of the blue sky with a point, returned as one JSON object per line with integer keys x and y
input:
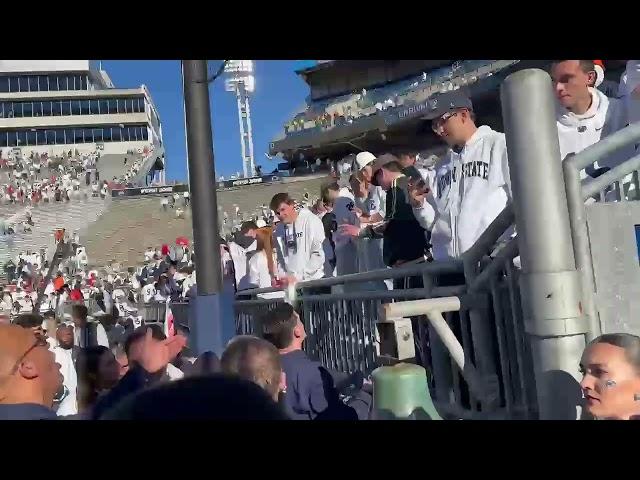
{"x": 279, "y": 92}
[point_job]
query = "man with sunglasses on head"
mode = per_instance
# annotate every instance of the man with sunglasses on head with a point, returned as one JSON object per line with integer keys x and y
{"x": 471, "y": 184}
{"x": 29, "y": 375}
{"x": 298, "y": 241}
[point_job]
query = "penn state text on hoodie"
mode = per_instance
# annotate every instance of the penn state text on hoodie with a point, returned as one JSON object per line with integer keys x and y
{"x": 299, "y": 246}
{"x": 470, "y": 188}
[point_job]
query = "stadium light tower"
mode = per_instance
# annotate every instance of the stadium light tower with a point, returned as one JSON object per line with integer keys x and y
{"x": 240, "y": 80}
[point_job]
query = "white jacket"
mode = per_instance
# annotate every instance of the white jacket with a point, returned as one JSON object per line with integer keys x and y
{"x": 468, "y": 191}
{"x": 346, "y": 249}
{"x": 306, "y": 261}
{"x": 375, "y": 201}
{"x": 259, "y": 276}
{"x": 69, "y": 405}
{"x": 240, "y": 263}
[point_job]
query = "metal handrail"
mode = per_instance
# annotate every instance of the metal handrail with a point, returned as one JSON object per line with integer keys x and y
{"x": 433, "y": 309}
{"x": 576, "y": 196}
{"x": 614, "y": 175}
{"x": 451, "y": 266}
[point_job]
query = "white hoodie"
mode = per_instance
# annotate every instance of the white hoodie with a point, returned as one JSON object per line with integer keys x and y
{"x": 469, "y": 190}
{"x": 577, "y": 132}
{"x": 306, "y": 261}
{"x": 69, "y": 405}
{"x": 346, "y": 249}
{"x": 240, "y": 256}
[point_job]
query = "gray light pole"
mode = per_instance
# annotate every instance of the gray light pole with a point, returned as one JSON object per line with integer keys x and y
{"x": 550, "y": 285}
{"x": 205, "y": 309}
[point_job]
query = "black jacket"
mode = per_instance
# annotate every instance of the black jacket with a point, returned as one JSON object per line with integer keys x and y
{"x": 404, "y": 238}
{"x": 134, "y": 381}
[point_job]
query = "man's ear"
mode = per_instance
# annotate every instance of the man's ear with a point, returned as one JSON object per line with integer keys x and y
{"x": 297, "y": 331}
{"x": 592, "y": 76}
{"x": 28, "y": 370}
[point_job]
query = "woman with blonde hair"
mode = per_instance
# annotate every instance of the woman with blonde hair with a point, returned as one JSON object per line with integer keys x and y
{"x": 262, "y": 267}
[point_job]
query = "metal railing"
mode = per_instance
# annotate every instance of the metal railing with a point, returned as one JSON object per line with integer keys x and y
{"x": 578, "y": 192}
{"x": 491, "y": 340}
{"x": 342, "y": 328}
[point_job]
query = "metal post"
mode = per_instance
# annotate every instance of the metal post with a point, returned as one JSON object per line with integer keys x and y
{"x": 205, "y": 316}
{"x": 550, "y": 285}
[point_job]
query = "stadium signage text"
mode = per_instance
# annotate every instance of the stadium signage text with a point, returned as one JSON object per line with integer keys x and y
{"x": 407, "y": 112}
{"x": 137, "y": 192}
{"x": 248, "y": 181}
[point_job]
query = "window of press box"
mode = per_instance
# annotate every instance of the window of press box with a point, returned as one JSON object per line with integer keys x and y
{"x": 23, "y": 83}
{"x": 56, "y": 108}
{"x": 33, "y": 84}
{"x": 52, "y": 83}
{"x": 58, "y": 136}
{"x": 22, "y": 138}
{"x": 41, "y": 137}
{"x": 75, "y": 107}
{"x": 27, "y": 109}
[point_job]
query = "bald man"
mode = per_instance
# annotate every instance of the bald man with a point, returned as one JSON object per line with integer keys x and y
{"x": 256, "y": 360}
{"x": 29, "y": 375}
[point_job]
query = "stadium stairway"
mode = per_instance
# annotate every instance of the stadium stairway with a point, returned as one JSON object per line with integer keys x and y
{"x": 128, "y": 227}
{"x": 73, "y": 216}
{"x": 112, "y": 165}
{"x": 250, "y": 198}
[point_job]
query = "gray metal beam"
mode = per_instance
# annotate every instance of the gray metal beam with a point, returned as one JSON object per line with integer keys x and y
{"x": 550, "y": 285}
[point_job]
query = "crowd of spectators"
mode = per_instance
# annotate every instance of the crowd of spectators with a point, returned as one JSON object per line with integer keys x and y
{"x": 37, "y": 179}
{"x": 348, "y": 108}
{"x": 382, "y": 211}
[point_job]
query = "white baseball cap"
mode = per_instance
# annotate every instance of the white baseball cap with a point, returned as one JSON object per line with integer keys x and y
{"x": 364, "y": 158}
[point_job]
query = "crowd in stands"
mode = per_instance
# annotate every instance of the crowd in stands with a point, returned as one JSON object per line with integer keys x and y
{"x": 37, "y": 179}
{"x": 381, "y": 211}
{"x": 345, "y": 109}
{"x": 61, "y": 370}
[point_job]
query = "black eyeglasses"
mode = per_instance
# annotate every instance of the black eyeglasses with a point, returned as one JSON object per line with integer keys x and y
{"x": 41, "y": 341}
{"x": 438, "y": 123}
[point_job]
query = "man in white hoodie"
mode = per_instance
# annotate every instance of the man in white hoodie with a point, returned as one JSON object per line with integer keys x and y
{"x": 471, "y": 184}
{"x": 298, "y": 240}
{"x": 65, "y": 353}
{"x": 585, "y": 115}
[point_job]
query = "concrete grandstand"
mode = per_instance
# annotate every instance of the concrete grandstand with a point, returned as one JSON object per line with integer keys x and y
{"x": 130, "y": 225}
